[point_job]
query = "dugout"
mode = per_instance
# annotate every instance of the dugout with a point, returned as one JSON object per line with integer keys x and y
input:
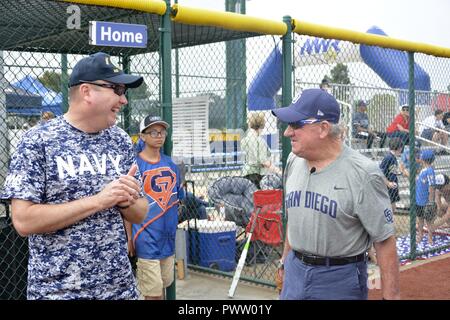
{"x": 193, "y": 52}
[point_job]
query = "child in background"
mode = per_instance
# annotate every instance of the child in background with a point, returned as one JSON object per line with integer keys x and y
{"x": 153, "y": 240}
{"x": 389, "y": 166}
{"x": 425, "y": 196}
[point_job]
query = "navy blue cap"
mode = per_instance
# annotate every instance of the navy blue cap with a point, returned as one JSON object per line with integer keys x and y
{"x": 312, "y": 103}
{"x": 99, "y": 66}
{"x": 427, "y": 155}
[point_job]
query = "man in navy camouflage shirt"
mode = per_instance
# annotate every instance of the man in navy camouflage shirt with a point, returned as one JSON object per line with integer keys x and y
{"x": 71, "y": 181}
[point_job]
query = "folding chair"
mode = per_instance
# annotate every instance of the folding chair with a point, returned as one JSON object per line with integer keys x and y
{"x": 235, "y": 193}
{"x": 267, "y": 234}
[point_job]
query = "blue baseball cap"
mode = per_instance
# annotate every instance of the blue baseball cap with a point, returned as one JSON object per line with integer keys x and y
{"x": 99, "y": 66}
{"x": 427, "y": 155}
{"x": 312, "y": 103}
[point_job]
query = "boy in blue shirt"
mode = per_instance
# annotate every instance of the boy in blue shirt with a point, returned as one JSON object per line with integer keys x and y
{"x": 153, "y": 240}
{"x": 389, "y": 166}
{"x": 425, "y": 196}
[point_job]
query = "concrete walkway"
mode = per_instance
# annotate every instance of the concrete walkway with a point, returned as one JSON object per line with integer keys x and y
{"x": 201, "y": 286}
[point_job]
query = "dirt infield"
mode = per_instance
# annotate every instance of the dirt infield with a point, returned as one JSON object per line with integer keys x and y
{"x": 424, "y": 280}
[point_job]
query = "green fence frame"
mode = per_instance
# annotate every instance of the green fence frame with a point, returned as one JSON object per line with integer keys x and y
{"x": 250, "y": 26}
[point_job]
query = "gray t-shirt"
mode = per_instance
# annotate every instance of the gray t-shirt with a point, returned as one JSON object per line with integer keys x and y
{"x": 340, "y": 210}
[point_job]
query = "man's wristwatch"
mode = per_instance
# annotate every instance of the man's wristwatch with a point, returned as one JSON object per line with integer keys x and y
{"x": 280, "y": 264}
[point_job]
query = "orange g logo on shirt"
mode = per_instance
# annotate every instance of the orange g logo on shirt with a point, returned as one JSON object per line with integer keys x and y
{"x": 159, "y": 184}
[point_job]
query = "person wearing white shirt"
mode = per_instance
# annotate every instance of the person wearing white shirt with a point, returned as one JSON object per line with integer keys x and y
{"x": 427, "y": 130}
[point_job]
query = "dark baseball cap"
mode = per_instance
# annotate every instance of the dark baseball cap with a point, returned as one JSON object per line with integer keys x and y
{"x": 361, "y": 103}
{"x": 312, "y": 103}
{"x": 151, "y": 120}
{"x": 99, "y": 66}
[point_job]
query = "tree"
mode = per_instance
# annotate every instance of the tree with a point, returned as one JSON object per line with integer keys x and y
{"x": 339, "y": 74}
{"x": 140, "y": 92}
{"x": 51, "y": 80}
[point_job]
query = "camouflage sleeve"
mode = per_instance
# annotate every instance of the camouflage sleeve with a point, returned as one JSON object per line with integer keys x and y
{"x": 26, "y": 176}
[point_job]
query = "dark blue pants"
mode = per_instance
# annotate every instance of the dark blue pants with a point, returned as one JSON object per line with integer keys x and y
{"x": 305, "y": 282}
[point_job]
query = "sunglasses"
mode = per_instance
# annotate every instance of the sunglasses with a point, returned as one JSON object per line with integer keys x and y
{"x": 156, "y": 133}
{"x": 301, "y": 123}
{"x": 118, "y": 89}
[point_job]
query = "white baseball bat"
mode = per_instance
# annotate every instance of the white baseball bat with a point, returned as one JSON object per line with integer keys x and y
{"x": 241, "y": 262}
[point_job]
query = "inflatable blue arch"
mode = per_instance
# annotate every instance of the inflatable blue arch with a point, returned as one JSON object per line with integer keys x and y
{"x": 389, "y": 64}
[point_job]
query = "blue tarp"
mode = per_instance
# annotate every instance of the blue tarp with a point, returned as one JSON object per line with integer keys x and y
{"x": 51, "y": 100}
{"x": 19, "y": 101}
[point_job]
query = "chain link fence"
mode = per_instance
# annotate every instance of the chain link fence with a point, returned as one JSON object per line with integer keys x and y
{"x": 371, "y": 85}
{"x": 224, "y": 138}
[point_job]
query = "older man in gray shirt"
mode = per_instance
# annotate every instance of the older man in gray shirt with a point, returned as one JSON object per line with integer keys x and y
{"x": 337, "y": 205}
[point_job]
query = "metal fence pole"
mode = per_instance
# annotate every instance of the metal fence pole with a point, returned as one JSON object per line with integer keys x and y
{"x": 286, "y": 97}
{"x": 4, "y": 135}
{"x": 127, "y": 108}
{"x": 287, "y": 84}
{"x": 236, "y": 74}
{"x": 166, "y": 99}
{"x": 412, "y": 159}
{"x": 64, "y": 83}
{"x": 166, "y": 75}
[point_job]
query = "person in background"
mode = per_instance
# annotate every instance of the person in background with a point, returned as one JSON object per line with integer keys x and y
{"x": 46, "y": 116}
{"x": 427, "y": 130}
{"x": 257, "y": 153}
{"x": 446, "y": 121}
{"x": 325, "y": 85}
{"x": 72, "y": 181}
{"x": 153, "y": 240}
{"x": 404, "y": 159}
{"x": 390, "y": 169}
{"x": 442, "y": 200}
{"x": 426, "y": 207}
{"x": 361, "y": 126}
{"x": 399, "y": 127}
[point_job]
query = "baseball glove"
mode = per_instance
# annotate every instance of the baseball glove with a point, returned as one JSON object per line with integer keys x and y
{"x": 279, "y": 280}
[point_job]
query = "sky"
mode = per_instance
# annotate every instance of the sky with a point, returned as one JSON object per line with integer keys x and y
{"x": 414, "y": 20}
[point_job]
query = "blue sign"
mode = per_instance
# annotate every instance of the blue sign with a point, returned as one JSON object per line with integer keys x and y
{"x": 112, "y": 34}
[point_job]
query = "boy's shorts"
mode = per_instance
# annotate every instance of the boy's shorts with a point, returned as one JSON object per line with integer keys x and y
{"x": 421, "y": 212}
{"x": 154, "y": 275}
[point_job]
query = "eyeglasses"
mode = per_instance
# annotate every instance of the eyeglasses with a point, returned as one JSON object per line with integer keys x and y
{"x": 156, "y": 133}
{"x": 118, "y": 89}
{"x": 301, "y": 123}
